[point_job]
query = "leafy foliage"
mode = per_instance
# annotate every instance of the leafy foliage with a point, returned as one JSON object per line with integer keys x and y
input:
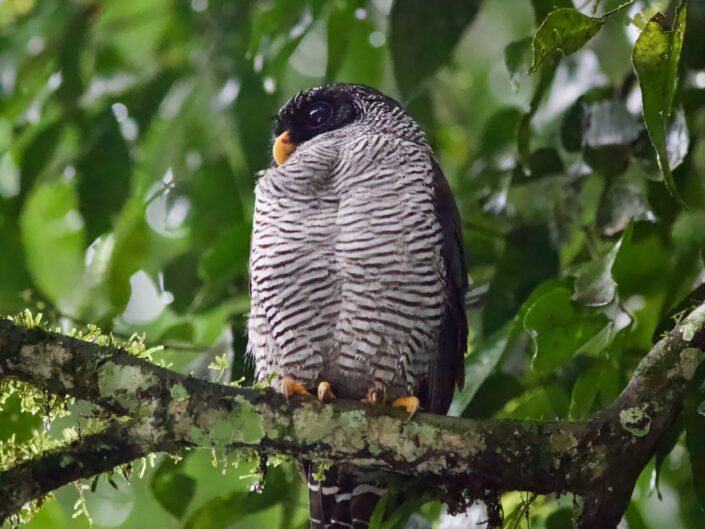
{"x": 130, "y": 135}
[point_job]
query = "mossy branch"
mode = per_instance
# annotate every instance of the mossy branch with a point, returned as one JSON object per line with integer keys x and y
{"x": 598, "y": 459}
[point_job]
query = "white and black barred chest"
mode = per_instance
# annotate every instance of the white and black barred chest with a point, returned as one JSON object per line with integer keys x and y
{"x": 347, "y": 278}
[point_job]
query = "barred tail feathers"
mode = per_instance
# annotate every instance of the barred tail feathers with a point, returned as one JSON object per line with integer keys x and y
{"x": 341, "y": 501}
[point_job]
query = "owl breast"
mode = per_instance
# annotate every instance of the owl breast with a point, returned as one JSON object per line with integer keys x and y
{"x": 347, "y": 277}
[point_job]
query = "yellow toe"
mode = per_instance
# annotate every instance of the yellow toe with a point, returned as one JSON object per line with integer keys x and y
{"x": 410, "y": 404}
{"x": 291, "y": 387}
{"x": 325, "y": 393}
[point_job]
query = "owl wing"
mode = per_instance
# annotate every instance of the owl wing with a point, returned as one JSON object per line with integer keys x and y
{"x": 448, "y": 368}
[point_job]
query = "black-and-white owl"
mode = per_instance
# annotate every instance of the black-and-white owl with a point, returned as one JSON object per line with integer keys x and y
{"x": 357, "y": 274}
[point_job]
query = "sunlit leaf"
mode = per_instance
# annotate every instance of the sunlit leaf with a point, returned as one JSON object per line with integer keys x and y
{"x": 52, "y": 233}
{"x": 655, "y": 58}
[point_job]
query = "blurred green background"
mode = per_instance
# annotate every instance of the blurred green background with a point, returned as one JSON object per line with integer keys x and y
{"x": 130, "y": 136}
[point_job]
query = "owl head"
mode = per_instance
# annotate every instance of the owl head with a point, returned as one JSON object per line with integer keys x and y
{"x": 335, "y": 107}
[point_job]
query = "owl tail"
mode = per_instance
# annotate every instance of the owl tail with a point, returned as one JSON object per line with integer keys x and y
{"x": 341, "y": 501}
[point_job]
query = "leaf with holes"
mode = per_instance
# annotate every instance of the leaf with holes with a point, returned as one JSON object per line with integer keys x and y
{"x": 656, "y": 56}
{"x": 564, "y": 31}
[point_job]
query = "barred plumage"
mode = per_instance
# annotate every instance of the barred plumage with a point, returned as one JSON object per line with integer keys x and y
{"x": 357, "y": 274}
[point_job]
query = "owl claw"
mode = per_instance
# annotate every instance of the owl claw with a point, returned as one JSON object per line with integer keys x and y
{"x": 410, "y": 404}
{"x": 291, "y": 387}
{"x": 325, "y": 393}
{"x": 374, "y": 397}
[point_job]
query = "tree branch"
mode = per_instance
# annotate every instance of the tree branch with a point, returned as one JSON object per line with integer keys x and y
{"x": 598, "y": 459}
{"x": 32, "y": 480}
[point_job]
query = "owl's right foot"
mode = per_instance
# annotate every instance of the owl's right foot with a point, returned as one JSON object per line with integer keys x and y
{"x": 374, "y": 396}
{"x": 291, "y": 387}
{"x": 325, "y": 393}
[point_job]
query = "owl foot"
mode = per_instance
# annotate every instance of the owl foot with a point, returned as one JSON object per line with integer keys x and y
{"x": 291, "y": 387}
{"x": 410, "y": 404}
{"x": 374, "y": 396}
{"x": 325, "y": 393}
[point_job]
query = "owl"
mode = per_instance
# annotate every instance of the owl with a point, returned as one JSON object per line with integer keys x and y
{"x": 357, "y": 273}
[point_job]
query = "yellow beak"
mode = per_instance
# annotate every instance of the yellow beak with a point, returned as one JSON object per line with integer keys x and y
{"x": 283, "y": 148}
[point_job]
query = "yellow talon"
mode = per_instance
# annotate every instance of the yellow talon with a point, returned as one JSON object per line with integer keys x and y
{"x": 410, "y": 404}
{"x": 291, "y": 387}
{"x": 325, "y": 393}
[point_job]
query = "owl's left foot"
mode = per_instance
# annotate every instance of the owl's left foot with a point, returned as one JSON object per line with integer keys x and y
{"x": 325, "y": 393}
{"x": 410, "y": 404}
{"x": 291, "y": 387}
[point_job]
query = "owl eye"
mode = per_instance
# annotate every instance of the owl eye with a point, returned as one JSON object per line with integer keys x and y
{"x": 318, "y": 114}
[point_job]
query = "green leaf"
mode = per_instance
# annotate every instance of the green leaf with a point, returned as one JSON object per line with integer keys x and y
{"x": 38, "y": 154}
{"x": 517, "y": 59}
{"x": 664, "y": 445}
{"x": 543, "y": 7}
{"x": 559, "y": 330}
{"x": 584, "y": 391}
{"x": 561, "y": 518}
{"x": 132, "y": 243}
{"x": 656, "y": 56}
{"x": 13, "y": 267}
{"x": 378, "y": 513}
{"x": 694, "y": 422}
{"x": 500, "y": 130}
{"x": 479, "y": 365}
{"x": 225, "y": 258}
{"x": 224, "y": 511}
{"x": 341, "y": 15}
{"x": 364, "y": 61}
{"x": 103, "y": 174}
{"x": 564, "y": 31}
{"x": 173, "y": 489}
{"x": 594, "y": 285}
{"x": 541, "y": 402}
{"x": 513, "y": 281}
{"x": 52, "y": 234}
{"x": 423, "y": 36}
{"x": 524, "y": 129}
{"x": 254, "y": 104}
{"x": 621, "y": 203}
